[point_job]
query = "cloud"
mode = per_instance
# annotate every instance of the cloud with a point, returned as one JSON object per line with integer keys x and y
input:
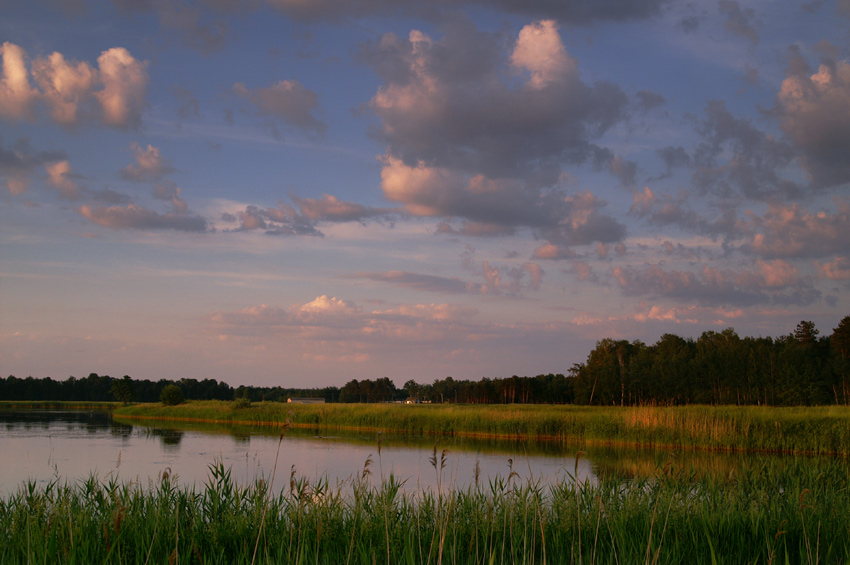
{"x": 837, "y": 270}
{"x": 66, "y": 88}
{"x": 331, "y": 319}
{"x": 666, "y": 210}
{"x": 583, "y": 271}
{"x": 330, "y": 209}
{"x": 476, "y": 229}
{"x": 288, "y": 101}
{"x": 16, "y": 94}
{"x": 773, "y": 282}
{"x": 813, "y": 109}
{"x": 510, "y": 280}
{"x": 539, "y": 50}
{"x": 74, "y": 92}
{"x": 206, "y": 37}
{"x": 150, "y": 165}
{"x": 565, "y": 12}
{"x": 422, "y": 282}
{"x": 735, "y": 157}
{"x": 169, "y": 191}
{"x": 452, "y": 104}
{"x": 124, "y": 80}
{"x": 739, "y": 21}
{"x": 19, "y": 161}
{"x": 136, "y": 217}
{"x": 283, "y": 220}
{"x": 430, "y": 191}
{"x": 649, "y": 100}
{"x": 550, "y": 251}
{"x": 791, "y": 231}
{"x": 59, "y": 176}
{"x": 475, "y": 133}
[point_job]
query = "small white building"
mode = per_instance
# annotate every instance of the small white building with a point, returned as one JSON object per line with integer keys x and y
{"x": 295, "y": 400}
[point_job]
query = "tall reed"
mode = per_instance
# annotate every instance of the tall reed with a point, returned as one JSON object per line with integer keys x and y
{"x": 789, "y": 513}
{"x": 818, "y": 430}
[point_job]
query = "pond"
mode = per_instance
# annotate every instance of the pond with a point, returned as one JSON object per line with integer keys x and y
{"x": 68, "y": 446}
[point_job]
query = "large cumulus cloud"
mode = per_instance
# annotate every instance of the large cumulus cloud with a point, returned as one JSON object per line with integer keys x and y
{"x": 814, "y": 111}
{"x": 481, "y": 133}
{"x": 74, "y": 93}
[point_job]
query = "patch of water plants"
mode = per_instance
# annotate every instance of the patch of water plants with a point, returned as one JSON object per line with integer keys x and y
{"x": 812, "y": 430}
{"x": 786, "y": 513}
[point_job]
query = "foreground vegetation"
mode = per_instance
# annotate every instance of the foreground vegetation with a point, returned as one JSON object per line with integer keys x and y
{"x": 821, "y": 430}
{"x": 791, "y": 513}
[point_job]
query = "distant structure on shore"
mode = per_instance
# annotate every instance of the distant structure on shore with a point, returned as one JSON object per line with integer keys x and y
{"x": 295, "y": 400}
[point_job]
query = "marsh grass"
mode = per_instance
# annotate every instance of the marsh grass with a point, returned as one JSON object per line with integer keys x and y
{"x": 817, "y": 430}
{"x": 785, "y": 513}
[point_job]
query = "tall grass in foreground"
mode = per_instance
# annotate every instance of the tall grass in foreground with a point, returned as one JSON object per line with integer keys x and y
{"x": 784, "y": 514}
{"x": 815, "y": 430}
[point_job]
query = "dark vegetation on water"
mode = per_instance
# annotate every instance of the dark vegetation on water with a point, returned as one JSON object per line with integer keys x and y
{"x": 800, "y": 368}
{"x": 762, "y": 514}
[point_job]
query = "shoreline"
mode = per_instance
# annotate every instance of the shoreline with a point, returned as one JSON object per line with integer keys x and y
{"x": 694, "y": 428}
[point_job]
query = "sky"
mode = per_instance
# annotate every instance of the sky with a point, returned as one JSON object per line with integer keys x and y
{"x": 305, "y": 192}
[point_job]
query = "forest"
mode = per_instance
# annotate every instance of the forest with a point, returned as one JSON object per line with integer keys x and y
{"x": 800, "y": 368}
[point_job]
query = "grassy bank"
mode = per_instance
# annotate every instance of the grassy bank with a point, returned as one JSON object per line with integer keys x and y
{"x": 818, "y": 430}
{"x": 56, "y": 405}
{"x": 786, "y": 514}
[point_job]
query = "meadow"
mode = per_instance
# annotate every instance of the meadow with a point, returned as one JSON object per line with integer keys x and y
{"x": 764, "y": 514}
{"x": 793, "y": 430}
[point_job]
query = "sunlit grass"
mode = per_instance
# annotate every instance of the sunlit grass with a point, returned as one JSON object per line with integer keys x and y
{"x": 817, "y": 430}
{"x": 788, "y": 513}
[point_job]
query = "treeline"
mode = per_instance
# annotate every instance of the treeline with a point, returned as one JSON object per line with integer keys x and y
{"x": 103, "y": 388}
{"x": 720, "y": 368}
{"x": 552, "y": 389}
{"x": 800, "y": 368}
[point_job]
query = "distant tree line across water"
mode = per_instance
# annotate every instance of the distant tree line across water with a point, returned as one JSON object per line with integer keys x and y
{"x": 800, "y": 368}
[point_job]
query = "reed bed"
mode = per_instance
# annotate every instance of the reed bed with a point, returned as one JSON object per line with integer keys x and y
{"x": 812, "y": 430}
{"x": 789, "y": 513}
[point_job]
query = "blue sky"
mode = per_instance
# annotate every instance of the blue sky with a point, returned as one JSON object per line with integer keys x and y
{"x": 301, "y": 193}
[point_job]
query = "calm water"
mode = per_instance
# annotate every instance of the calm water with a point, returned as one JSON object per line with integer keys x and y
{"x": 43, "y": 445}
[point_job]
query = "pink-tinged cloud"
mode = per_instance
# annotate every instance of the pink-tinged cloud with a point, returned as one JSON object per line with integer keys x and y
{"x": 465, "y": 139}
{"x": 500, "y": 279}
{"x": 550, "y": 251}
{"x": 124, "y": 82}
{"x": 837, "y": 270}
{"x": 16, "y": 93}
{"x": 814, "y": 111}
{"x": 539, "y": 51}
{"x": 791, "y": 231}
{"x": 331, "y": 209}
{"x": 773, "y": 282}
{"x": 287, "y": 100}
{"x": 19, "y": 161}
{"x": 74, "y": 92}
{"x": 169, "y": 191}
{"x": 59, "y": 176}
{"x": 778, "y": 273}
{"x": 135, "y": 217}
{"x": 66, "y": 88}
{"x": 283, "y": 220}
{"x": 150, "y": 165}
{"x": 583, "y": 271}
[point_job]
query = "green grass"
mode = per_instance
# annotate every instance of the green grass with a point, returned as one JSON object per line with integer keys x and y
{"x": 817, "y": 430}
{"x": 766, "y": 514}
